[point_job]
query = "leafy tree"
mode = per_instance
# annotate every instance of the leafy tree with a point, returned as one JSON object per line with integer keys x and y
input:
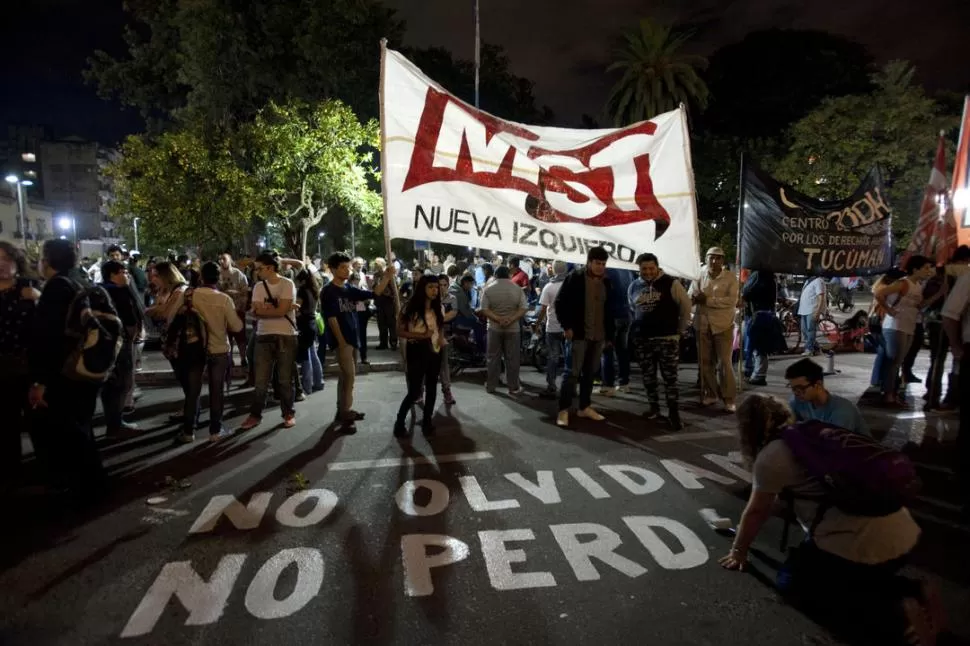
{"x": 149, "y": 79}
{"x": 896, "y": 126}
{"x": 223, "y": 60}
{"x": 309, "y": 159}
{"x": 717, "y": 175}
{"x": 501, "y": 92}
{"x": 657, "y": 75}
{"x": 182, "y": 186}
{"x": 771, "y": 79}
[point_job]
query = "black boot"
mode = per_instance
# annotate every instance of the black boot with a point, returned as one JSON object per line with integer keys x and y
{"x": 427, "y": 428}
{"x": 673, "y": 416}
{"x": 401, "y": 429}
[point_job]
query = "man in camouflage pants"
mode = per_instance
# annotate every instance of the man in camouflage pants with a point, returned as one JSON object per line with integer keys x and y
{"x": 661, "y": 313}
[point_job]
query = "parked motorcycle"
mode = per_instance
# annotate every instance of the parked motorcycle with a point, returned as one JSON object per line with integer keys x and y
{"x": 538, "y": 351}
{"x": 463, "y": 353}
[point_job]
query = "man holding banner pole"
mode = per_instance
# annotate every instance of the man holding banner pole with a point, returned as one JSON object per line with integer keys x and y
{"x": 715, "y": 298}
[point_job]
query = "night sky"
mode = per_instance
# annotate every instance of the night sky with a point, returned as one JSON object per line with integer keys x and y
{"x": 563, "y": 46}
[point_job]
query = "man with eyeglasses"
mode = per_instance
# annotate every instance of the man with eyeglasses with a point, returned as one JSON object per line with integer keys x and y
{"x": 812, "y": 401}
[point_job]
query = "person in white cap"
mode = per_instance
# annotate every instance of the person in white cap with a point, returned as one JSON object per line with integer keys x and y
{"x": 715, "y": 298}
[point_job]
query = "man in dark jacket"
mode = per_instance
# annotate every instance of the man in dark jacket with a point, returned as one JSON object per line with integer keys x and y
{"x": 661, "y": 312}
{"x": 619, "y": 354}
{"x": 582, "y": 307}
{"x": 117, "y": 282}
{"x": 63, "y": 408}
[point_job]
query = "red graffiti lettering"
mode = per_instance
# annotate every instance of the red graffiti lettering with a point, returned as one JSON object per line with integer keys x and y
{"x": 456, "y": 143}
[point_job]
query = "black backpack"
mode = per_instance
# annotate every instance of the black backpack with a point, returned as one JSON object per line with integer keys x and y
{"x": 94, "y": 322}
{"x": 186, "y": 330}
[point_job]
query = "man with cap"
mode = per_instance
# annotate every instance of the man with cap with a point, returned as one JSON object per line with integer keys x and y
{"x": 715, "y": 298}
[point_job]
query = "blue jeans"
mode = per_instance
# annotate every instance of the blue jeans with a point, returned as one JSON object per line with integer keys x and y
{"x": 759, "y": 365}
{"x": 748, "y": 353}
{"x": 218, "y": 365}
{"x": 554, "y": 354}
{"x": 809, "y": 330}
{"x": 311, "y": 371}
{"x": 478, "y": 330}
{"x": 879, "y": 364}
{"x": 897, "y": 345}
{"x": 621, "y": 350}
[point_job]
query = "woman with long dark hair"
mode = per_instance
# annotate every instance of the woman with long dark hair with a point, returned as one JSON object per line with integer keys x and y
{"x": 421, "y": 325}
{"x": 308, "y": 286}
{"x": 847, "y": 568}
{"x": 18, "y": 300}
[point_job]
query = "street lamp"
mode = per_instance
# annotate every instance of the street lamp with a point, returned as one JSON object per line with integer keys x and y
{"x": 136, "y": 233}
{"x": 19, "y": 185}
{"x": 66, "y": 222}
{"x": 319, "y": 246}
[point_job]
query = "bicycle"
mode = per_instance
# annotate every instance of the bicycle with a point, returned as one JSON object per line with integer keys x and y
{"x": 826, "y": 333}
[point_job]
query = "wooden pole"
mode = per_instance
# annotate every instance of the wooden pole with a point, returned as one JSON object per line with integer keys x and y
{"x": 387, "y": 235}
{"x": 478, "y": 52}
{"x": 697, "y": 235}
{"x": 739, "y": 374}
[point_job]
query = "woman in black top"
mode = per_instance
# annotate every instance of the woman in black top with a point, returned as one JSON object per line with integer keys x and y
{"x": 308, "y": 286}
{"x": 422, "y": 327}
{"x": 18, "y": 298}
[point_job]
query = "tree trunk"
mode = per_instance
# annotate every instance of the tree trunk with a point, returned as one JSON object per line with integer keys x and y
{"x": 304, "y": 231}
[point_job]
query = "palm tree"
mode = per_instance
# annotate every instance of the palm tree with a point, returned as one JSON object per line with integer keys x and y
{"x": 657, "y": 76}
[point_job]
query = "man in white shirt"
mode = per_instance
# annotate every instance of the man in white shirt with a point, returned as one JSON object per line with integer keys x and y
{"x": 715, "y": 298}
{"x": 219, "y": 313}
{"x": 274, "y": 298}
{"x": 811, "y": 304}
{"x": 234, "y": 284}
{"x": 503, "y": 303}
{"x": 554, "y": 334}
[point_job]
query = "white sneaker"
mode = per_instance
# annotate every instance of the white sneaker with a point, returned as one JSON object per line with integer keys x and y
{"x": 607, "y": 392}
{"x": 730, "y": 407}
{"x": 562, "y": 419}
{"x": 590, "y": 413}
{"x": 707, "y": 401}
{"x": 625, "y": 388}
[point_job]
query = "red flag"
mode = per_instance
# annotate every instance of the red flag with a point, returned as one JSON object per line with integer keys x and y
{"x": 935, "y": 205}
{"x": 961, "y": 178}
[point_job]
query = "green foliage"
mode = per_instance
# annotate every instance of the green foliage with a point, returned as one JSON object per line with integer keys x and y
{"x": 896, "y": 126}
{"x": 306, "y": 160}
{"x": 656, "y": 75}
{"x": 501, "y": 92}
{"x": 769, "y": 80}
{"x": 222, "y": 61}
{"x": 717, "y": 173}
{"x": 184, "y": 187}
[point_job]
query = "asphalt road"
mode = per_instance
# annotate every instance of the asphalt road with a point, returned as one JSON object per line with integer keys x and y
{"x": 503, "y": 529}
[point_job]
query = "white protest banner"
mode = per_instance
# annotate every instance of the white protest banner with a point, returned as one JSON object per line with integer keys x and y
{"x": 456, "y": 175}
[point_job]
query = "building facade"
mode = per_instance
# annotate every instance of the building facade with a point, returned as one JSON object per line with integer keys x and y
{"x": 38, "y": 220}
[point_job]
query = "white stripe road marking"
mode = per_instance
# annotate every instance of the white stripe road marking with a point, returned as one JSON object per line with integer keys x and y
{"x": 699, "y": 435}
{"x": 402, "y": 462}
{"x": 919, "y": 513}
{"x": 936, "y": 502}
{"x": 934, "y": 467}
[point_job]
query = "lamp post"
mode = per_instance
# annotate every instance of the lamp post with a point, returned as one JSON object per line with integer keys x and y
{"x": 320, "y": 245}
{"x": 66, "y": 222}
{"x": 353, "y": 238}
{"x": 136, "y": 233}
{"x": 19, "y": 185}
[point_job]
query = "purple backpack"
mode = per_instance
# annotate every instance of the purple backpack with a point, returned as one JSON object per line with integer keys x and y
{"x": 861, "y": 476}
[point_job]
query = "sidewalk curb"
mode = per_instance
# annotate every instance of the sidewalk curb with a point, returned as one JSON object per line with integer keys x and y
{"x": 167, "y": 377}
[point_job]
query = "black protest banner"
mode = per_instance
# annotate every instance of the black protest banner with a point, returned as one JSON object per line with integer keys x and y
{"x": 787, "y": 232}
